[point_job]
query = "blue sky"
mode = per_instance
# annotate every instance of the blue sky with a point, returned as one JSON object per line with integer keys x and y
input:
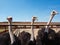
{"x": 23, "y": 10}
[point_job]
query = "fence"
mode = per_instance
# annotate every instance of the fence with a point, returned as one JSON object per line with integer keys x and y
{"x": 4, "y": 28}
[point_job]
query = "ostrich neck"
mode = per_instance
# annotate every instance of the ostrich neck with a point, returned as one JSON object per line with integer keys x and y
{"x": 11, "y": 33}
{"x": 51, "y": 17}
{"x": 32, "y": 36}
{"x": 47, "y": 27}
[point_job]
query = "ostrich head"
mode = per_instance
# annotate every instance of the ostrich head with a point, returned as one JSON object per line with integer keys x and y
{"x": 54, "y": 12}
{"x": 9, "y": 18}
{"x": 34, "y": 18}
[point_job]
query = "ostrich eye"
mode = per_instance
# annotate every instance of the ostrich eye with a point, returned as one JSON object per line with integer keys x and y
{"x": 53, "y": 12}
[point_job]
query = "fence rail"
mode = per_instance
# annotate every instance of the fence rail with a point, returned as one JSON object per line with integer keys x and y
{"x": 26, "y": 27}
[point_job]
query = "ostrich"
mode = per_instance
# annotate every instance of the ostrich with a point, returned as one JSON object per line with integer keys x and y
{"x": 32, "y": 40}
{"x": 50, "y": 32}
{"x": 10, "y": 30}
{"x": 9, "y": 38}
{"x": 14, "y": 40}
{"x": 5, "y": 38}
{"x": 32, "y": 28}
{"x": 46, "y": 34}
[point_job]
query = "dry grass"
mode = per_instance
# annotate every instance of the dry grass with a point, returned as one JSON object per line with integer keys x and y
{"x": 1, "y": 30}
